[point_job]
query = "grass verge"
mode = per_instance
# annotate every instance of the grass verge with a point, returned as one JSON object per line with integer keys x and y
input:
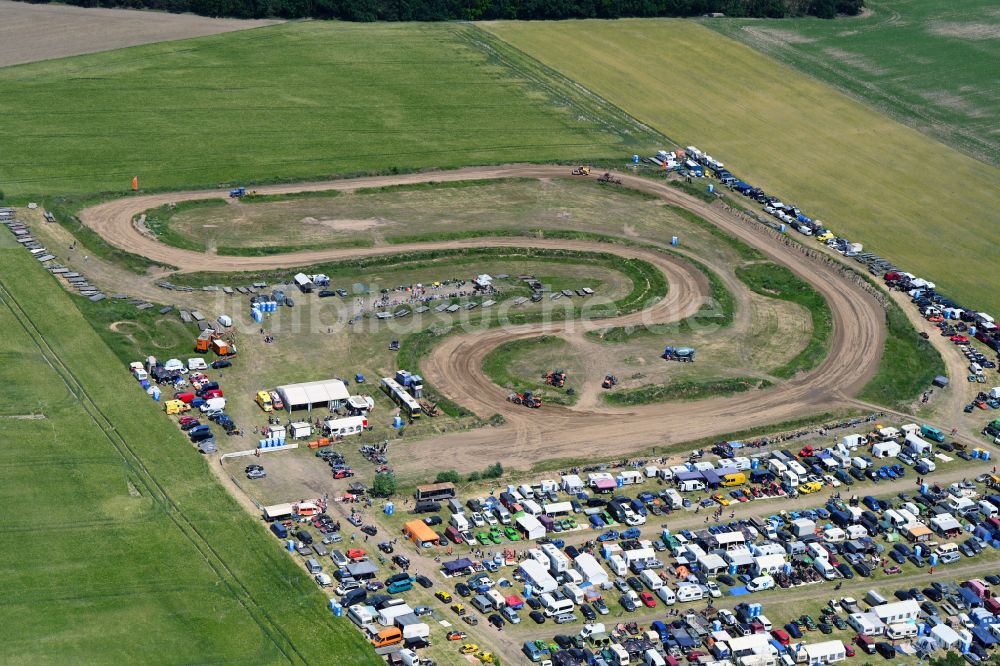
{"x": 776, "y": 281}
{"x": 685, "y": 389}
{"x": 497, "y": 364}
{"x": 909, "y": 364}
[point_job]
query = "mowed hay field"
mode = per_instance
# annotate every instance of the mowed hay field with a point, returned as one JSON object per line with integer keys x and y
{"x": 928, "y": 63}
{"x": 118, "y": 545}
{"x": 286, "y": 102}
{"x": 929, "y": 208}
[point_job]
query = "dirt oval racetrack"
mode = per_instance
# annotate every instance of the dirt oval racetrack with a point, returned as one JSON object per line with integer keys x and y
{"x": 454, "y": 367}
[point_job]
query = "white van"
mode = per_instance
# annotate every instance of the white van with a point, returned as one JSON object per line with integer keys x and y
{"x": 459, "y": 522}
{"x": 197, "y": 364}
{"x": 760, "y": 583}
{"x": 988, "y": 509}
{"x": 503, "y": 514}
{"x": 666, "y": 595}
{"x": 689, "y": 592}
{"x": 690, "y": 486}
{"x": 859, "y": 463}
{"x": 526, "y": 491}
{"x": 557, "y": 607}
{"x": 652, "y": 581}
{"x": 212, "y": 404}
{"x": 824, "y": 568}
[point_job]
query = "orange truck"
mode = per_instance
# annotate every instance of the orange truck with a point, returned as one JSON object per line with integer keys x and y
{"x": 386, "y": 637}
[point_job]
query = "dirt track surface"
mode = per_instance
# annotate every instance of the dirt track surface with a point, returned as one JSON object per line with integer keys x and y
{"x": 29, "y": 33}
{"x": 455, "y": 366}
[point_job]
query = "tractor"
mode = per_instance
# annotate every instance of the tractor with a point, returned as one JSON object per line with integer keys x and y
{"x": 682, "y": 354}
{"x": 528, "y": 399}
{"x": 556, "y": 378}
{"x": 237, "y": 192}
{"x": 609, "y": 381}
{"x": 581, "y": 171}
{"x": 609, "y": 179}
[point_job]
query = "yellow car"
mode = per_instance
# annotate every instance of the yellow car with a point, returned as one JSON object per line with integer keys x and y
{"x": 811, "y": 487}
{"x": 485, "y": 657}
{"x": 822, "y": 238}
{"x": 443, "y": 596}
{"x": 468, "y": 648}
{"x": 721, "y": 499}
{"x": 264, "y": 400}
{"x": 458, "y": 608}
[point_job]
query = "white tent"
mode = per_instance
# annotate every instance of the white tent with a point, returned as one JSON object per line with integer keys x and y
{"x": 530, "y": 526}
{"x": 330, "y": 393}
{"x": 887, "y": 449}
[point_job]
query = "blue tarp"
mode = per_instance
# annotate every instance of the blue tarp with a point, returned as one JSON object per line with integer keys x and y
{"x": 738, "y": 591}
{"x": 457, "y": 565}
{"x": 690, "y": 476}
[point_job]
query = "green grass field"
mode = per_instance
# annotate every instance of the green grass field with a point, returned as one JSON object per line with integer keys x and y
{"x": 118, "y": 544}
{"x": 926, "y": 63}
{"x": 929, "y": 208}
{"x": 289, "y": 102}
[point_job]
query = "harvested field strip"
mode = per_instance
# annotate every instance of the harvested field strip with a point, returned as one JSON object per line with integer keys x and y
{"x": 870, "y": 178}
{"x": 775, "y": 281}
{"x": 686, "y": 389}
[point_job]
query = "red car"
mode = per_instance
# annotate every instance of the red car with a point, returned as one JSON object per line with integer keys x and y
{"x": 807, "y": 452}
{"x": 647, "y": 599}
{"x": 958, "y": 338}
{"x": 343, "y": 474}
{"x": 782, "y": 637}
{"x": 892, "y": 570}
{"x": 187, "y": 419}
{"x": 849, "y": 651}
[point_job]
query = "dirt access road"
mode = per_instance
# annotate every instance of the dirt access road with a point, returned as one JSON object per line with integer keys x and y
{"x": 454, "y": 367}
{"x": 30, "y": 32}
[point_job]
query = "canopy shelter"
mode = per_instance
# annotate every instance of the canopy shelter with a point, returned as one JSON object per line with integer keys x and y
{"x": 331, "y": 393}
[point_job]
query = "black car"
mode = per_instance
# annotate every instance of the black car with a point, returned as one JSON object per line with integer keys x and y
{"x": 401, "y": 561}
{"x": 838, "y": 622}
{"x": 563, "y": 641}
{"x": 533, "y": 603}
{"x": 431, "y": 521}
{"x": 537, "y": 616}
{"x": 496, "y": 620}
{"x": 573, "y": 552}
{"x": 304, "y": 537}
{"x": 463, "y": 590}
{"x": 289, "y": 302}
{"x": 916, "y": 594}
{"x": 933, "y": 593}
{"x": 424, "y": 581}
{"x": 190, "y": 424}
{"x": 726, "y": 579}
{"x": 221, "y": 363}
{"x": 588, "y": 613}
{"x": 825, "y": 628}
{"x": 993, "y": 579}
{"x": 634, "y": 583}
{"x": 862, "y": 569}
{"x": 845, "y": 571}
{"x": 385, "y": 547}
{"x": 887, "y": 650}
{"x": 326, "y": 293}
{"x": 370, "y": 530}
{"x": 627, "y": 604}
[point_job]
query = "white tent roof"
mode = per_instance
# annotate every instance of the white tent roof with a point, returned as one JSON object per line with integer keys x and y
{"x": 313, "y": 393}
{"x": 945, "y": 636}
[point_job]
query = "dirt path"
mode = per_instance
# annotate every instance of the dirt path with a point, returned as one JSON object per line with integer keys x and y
{"x": 32, "y": 32}
{"x": 454, "y": 366}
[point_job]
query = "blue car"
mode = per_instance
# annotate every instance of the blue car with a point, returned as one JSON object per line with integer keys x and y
{"x": 596, "y": 522}
{"x": 610, "y": 535}
{"x": 631, "y": 533}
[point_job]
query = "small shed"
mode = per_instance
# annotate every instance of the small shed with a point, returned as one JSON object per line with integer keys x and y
{"x": 300, "y": 430}
{"x": 419, "y": 533}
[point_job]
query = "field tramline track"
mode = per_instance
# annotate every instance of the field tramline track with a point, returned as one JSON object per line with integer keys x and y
{"x": 152, "y": 486}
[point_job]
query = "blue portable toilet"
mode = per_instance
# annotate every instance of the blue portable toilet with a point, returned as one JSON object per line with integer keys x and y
{"x": 754, "y": 464}
{"x": 918, "y": 549}
{"x": 674, "y": 241}
{"x": 337, "y": 608}
{"x": 257, "y": 316}
{"x": 156, "y": 393}
{"x": 291, "y": 545}
{"x": 934, "y": 560}
{"x": 711, "y": 188}
{"x": 390, "y": 508}
{"x": 397, "y": 422}
{"x": 985, "y": 455}
{"x": 635, "y": 159}
{"x": 359, "y": 378}
{"x": 732, "y": 569}
{"x": 781, "y": 228}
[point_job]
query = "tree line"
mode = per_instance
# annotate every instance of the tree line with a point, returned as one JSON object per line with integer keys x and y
{"x": 481, "y": 10}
